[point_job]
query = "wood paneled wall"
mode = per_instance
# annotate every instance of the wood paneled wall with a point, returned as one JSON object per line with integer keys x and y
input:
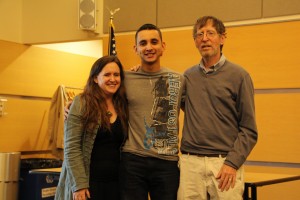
{"x": 178, "y": 13}
{"x": 269, "y": 52}
{"x": 29, "y": 76}
{"x": 271, "y": 61}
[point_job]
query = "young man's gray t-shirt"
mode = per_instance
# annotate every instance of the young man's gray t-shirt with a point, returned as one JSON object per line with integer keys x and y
{"x": 154, "y": 107}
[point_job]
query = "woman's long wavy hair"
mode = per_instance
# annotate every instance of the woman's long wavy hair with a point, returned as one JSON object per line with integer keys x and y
{"x": 95, "y": 107}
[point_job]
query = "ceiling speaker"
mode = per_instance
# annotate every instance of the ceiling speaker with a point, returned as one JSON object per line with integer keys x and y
{"x": 87, "y": 14}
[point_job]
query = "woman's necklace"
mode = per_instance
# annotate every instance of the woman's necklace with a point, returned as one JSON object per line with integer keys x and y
{"x": 108, "y": 113}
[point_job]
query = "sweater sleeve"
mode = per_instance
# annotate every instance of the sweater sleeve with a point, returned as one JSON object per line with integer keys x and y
{"x": 73, "y": 155}
{"x": 247, "y": 136}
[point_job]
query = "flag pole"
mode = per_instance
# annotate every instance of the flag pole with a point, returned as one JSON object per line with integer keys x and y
{"x": 112, "y": 41}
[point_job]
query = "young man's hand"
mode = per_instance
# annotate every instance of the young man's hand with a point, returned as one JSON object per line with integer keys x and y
{"x": 67, "y": 109}
{"x": 135, "y": 68}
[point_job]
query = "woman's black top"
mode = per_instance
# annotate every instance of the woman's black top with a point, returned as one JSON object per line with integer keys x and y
{"x": 105, "y": 158}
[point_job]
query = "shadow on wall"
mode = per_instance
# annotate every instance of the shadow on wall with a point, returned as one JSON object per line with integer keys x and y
{"x": 11, "y": 53}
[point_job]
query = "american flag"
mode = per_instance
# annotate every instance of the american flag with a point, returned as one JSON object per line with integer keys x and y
{"x": 112, "y": 40}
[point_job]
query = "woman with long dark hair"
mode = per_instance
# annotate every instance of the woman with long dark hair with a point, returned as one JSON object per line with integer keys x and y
{"x": 95, "y": 129}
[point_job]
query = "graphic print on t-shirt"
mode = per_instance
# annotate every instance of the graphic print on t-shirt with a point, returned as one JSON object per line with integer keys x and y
{"x": 161, "y": 133}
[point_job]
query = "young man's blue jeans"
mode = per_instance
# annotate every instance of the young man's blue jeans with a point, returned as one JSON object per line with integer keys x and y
{"x": 142, "y": 175}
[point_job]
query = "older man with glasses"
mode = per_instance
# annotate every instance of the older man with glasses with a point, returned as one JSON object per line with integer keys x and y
{"x": 219, "y": 123}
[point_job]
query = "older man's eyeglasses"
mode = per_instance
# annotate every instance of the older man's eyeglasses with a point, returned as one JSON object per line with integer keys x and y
{"x": 208, "y": 34}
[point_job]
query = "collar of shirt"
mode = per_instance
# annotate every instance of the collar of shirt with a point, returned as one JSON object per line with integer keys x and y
{"x": 213, "y": 68}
